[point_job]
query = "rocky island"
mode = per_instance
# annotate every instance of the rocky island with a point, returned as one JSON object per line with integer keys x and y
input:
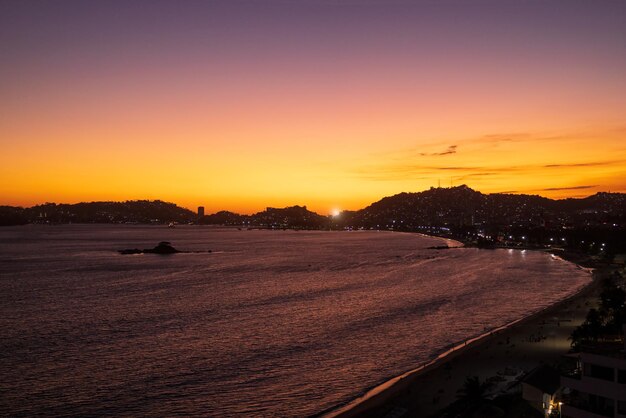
{"x": 163, "y": 248}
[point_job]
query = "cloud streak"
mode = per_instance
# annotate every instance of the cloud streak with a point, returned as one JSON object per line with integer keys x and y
{"x": 403, "y": 170}
{"x": 451, "y": 150}
{"x": 586, "y": 164}
{"x": 550, "y": 189}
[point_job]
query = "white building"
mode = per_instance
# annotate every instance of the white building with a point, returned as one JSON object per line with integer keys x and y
{"x": 598, "y": 389}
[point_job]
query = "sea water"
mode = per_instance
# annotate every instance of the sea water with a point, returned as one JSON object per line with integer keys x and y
{"x": 269, "y": 323}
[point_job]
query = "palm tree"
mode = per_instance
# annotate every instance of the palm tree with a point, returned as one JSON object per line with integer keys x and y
{"x": 473, "y": 391}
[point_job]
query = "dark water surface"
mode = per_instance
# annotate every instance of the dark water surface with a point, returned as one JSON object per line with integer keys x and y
{"x": 271, "y": 323}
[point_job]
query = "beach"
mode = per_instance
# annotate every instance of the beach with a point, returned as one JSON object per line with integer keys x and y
{"x": 509, "y": 353}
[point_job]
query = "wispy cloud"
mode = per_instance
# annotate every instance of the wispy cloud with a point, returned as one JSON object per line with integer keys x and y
{"x": 496, "y": 138}
{"x": 479, "y": 174}
{"x": 550, "y": 189}
{"x": 451, "y": 150}
{"x": 469, "y": 144}
{"x": 396, "y": 171}
{"x": 519, "y": 137}
{"x": 418, "y": 172}
{"x": 492, "y": 158}
{"x": 586, "y": 164}
{"x": 402, "y": 170}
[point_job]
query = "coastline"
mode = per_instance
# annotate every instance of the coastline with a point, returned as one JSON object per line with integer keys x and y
{"x": 409, "y": 392}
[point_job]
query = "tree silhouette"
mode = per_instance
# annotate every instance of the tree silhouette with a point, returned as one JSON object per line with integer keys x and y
{"x": 473, "y": 391}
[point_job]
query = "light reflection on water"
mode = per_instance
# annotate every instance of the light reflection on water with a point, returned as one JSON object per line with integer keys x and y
{"x": 272, "y": 323}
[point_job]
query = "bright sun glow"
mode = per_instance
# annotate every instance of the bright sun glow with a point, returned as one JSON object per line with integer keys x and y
{"x": 335, "y": 212}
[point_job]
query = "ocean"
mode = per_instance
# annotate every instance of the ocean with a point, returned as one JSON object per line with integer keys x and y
{"x": 268, "y": 324}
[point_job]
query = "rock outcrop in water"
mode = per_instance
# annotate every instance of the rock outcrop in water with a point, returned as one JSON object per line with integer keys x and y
{"x": 163, "y": 248}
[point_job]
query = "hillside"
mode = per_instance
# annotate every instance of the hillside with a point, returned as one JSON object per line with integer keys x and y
{"x": 448, "y": 208}
{"x": 134, "y": 211}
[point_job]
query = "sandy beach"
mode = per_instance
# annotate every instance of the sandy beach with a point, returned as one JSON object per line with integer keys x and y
{"x": 541, "y": 338}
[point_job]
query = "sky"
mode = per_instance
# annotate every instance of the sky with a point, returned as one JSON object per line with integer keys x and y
{"x": 240, "y": 105}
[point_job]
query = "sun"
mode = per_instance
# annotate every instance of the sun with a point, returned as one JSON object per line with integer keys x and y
{"x": 335, "y": 212}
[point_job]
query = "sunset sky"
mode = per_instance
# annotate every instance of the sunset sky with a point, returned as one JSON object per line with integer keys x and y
{"x": 240, "y": 105}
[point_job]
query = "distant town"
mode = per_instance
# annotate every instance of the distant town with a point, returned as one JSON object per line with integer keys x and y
{"x": 594, "y": 225}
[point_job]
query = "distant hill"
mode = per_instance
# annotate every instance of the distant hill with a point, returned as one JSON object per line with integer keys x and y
{"x": 294, "y": 216}
{"x": 224, "y": 218}
{"x": 594, "y": 226}
{"x": 457, "y": 207}
{"x": 437, "y": 206}
{"x": 10, "y": 215}
{"x": 133, "y": 211}
{"x": 289, "y": 217}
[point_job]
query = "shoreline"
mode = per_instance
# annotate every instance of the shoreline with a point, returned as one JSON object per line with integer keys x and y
{"x": 380, "y": 395}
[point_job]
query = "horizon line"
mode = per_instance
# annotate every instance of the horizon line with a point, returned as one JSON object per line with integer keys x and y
{"x": 194, "y": 208}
